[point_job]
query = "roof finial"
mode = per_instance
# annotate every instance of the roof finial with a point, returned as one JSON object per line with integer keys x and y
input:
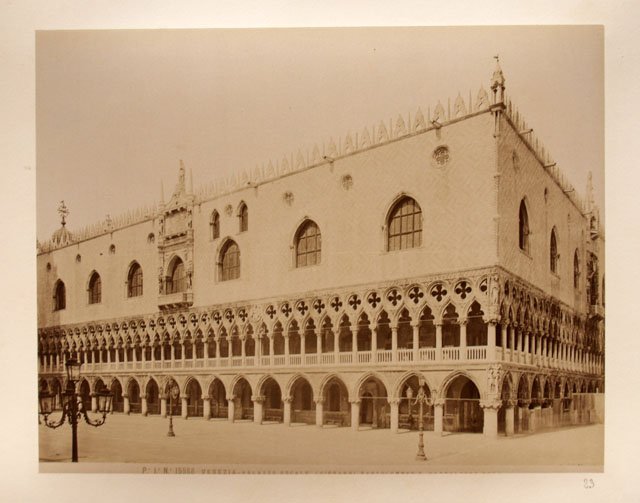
{"x": 590, "y": 197}
{"x": 497, "y": 81}
{"x": 64, "y": 211}
{"x": 180, "y": 186}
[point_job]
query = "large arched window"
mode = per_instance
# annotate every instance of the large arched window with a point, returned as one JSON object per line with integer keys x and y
{"x": 404, "y": 225}
{"x": 134, "y": 281}
{"x": 308, "y": 244}
{"x": 576, "y": 270}
{"x": 243, "y": 217}
{"x": 553, "y": 252}
{"x": 95, "y": 289}
{"x": 176, "y": 281}
{"x": 229, "y": 261}
{"x": 215, "y": 225}
{"x": 523, "y": 227}
{"x": 59, "y": 296}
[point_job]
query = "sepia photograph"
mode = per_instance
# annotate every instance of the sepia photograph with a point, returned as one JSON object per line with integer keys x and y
{"x": 321, "y": 250}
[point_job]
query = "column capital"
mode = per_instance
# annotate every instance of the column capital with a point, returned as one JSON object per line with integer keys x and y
{"x": 438, "y": 402}
{"x": 287, "y": 399}
{"x": 318, "y": 400}
{"x": 231, "y": 398}
{"x": 258, "y": 398}
{"x": 356, "y": 401}
{"x": 206, "y": 398}
{"x": 393, "y": 401}
{"x": 490, "y": 404}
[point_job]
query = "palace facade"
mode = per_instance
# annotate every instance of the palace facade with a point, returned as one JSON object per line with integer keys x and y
{"x": 443, "y": 247}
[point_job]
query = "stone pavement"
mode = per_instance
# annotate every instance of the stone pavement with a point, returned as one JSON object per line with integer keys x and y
{"x": 245, "y": 446}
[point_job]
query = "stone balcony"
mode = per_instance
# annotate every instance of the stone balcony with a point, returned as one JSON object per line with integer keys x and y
{"x": 174, "y": 301}
{"x": 379, "y": 359}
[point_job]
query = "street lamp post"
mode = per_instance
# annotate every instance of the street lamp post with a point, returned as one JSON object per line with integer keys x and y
{"x": 423, "y": 400}
{"x": 70, "y": 409}
{"x": 174, "y": 391}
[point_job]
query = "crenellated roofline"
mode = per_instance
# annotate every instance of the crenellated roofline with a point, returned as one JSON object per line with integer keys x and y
{"x": 370, "y": 137}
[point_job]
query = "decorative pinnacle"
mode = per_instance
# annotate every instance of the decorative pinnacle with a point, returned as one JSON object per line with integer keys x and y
{"x": 497, "y": 80}
{"x": 64, "y": 211}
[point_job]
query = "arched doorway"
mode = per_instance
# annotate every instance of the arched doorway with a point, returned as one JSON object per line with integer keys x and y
{"x": 336, "y": 403}
{"x": 546, "y": 404}
{"x": 56, "y": 389}
{"x": 521, "y": 412}
{"x": 566, "y": 406}
{"x": 327, "y": 336}
{"x": 133, "y": 390}
{"x": 409, "y": 411}
{"x": 218, "y": 395}
{"x": 273, "y": 408}
{"x": 505, "y": 398}
{"x": 153, "y": 398}
{"x": 195, "y": 403}
{"x": 462, "y": 412}
{"x": 302, "y": 406}
{"x": 242, "y": 400}
{"x": 364, "y": 334}
{"x": 85, "y": 394}
{"x": 117, "y": 402}
{"x": 374, "y": 406}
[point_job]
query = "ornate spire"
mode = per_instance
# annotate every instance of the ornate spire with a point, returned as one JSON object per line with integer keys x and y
{"x": 497, "y": 81}
{"x": 64, "y": 211}
{"x": 590, "y": 197}
{"x": 62, "y": 236}
{"x": 180, "y": 186}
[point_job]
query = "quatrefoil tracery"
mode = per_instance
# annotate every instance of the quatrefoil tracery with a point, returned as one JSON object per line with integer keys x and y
{"x": 463, "y": 289}
{"x": 439, "y": 292}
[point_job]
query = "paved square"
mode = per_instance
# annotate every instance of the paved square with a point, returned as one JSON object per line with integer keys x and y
{"x": 245, "y": 446}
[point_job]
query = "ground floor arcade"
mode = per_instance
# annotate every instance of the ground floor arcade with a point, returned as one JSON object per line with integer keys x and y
{"x": 494, "y": 400}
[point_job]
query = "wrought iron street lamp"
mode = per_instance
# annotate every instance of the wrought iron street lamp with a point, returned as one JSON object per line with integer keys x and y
{"x": 423, "y": 400}
{"x": 174, "y": 392}
{"x": 71, "y": 409}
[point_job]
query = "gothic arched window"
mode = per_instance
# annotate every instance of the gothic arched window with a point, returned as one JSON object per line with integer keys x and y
{"x": 576, "y": 270}
{"x": 308, "y": 244}
{"x": 176, "y": 281}
{"x": 404, "y": 225}
{"x": 134, "y": 281}
{"x": 553, "y": 252}
{"x": 215, "y": 225}
{"x": 59, "y": 296}
{"x": 229, "y": 261}
{"x": 523, "y": 227}
{"x": 243, "y": 217}
{"x": 95, "y": 289}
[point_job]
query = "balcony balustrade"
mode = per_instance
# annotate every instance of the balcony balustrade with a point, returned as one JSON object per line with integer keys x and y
{"x": 383, "y": 357}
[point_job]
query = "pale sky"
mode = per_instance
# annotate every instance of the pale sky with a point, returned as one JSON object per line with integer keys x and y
{"x": 117, "y": 110}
